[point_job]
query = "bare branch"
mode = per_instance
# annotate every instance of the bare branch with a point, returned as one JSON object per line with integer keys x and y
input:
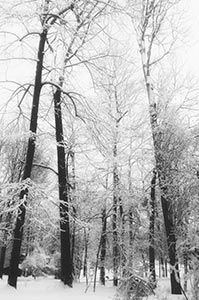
{"x": 45, "y": 167}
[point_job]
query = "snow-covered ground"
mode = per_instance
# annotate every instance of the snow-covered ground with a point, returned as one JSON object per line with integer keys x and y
{"x": 52, "y": 289}
{"x": 163, "y": 292}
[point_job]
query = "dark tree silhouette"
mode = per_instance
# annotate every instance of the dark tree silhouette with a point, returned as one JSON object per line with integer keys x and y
{"x": 103, "y": 247}
{"x": 2, "y": 259}
{"x": 152, "y": 229}
{"x": 47, "y": 21}
{"x": 18, "y": 230}
{"x": 150, "y": 22}
{"x": 116, "y": 254}
{"x": 66, "y": 257}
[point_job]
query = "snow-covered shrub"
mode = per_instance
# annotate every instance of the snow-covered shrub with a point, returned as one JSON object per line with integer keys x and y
{"x": 134, "y": 288}
{"x": 36, "y": 264}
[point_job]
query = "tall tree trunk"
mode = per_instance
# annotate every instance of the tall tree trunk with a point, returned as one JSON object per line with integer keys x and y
{"x": 122, "y": 240}
{"x": 171, "y": 241}
{"x": 114, "y": 226}
{"x": 2, "y": 259}
{"x": 131, "y": 239}
{"x": 18, "y": 230}
{"x": 148, "y": 29}
{"x": 66, "y": 259}
{"x": 166, "y": 201}
{"x": 185, "y": 261}
{"x": 162, "y": 264}
{"x": 103, "y": 247}
{"x": 5, "y": 242}
{"x": 165, "y": 263}
{"x": 116, "y": 191}
{"x": 85, "y": 266}
{"x": 152, "y": 229}
{"x": 72, "y": 191}
{"x": 130, "y": 216}
{"x": 73, "y": 240}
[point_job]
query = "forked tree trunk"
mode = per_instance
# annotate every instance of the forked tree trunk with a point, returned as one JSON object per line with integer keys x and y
{"x": 66, "y": 259}
{"x": 18, "y": 230}
{"x": 152, "y": 229}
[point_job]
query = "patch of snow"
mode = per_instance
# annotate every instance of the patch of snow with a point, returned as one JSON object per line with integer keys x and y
{"x": 52, "y": 289}
{"x": 163, "y": 292}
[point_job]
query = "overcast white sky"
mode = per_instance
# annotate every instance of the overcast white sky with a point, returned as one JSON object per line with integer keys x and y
{"x": 192, "y": 48}
{"x": 189, "y": 48}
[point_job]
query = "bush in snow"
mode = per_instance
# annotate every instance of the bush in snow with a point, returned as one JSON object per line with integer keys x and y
{"x": 37, "y": 264}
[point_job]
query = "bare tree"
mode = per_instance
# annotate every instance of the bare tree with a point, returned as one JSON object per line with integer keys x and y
{"x": 110, "y": 136}
{"x": 151, "y": 18}
{"x": 13, "y": 157}
{"x": 66, "y": 260}
{"x": 47, "y": 21}
{"x": 84, "y": 15}
{"x": 18, "y": 231}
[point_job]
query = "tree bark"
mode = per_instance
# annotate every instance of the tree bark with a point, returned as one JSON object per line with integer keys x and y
{"x": 150, "y": 24}
{"x": 131, "y": 239}
{"x": 103, "y": 247}
{"x": 73, "y": 246}
{"x": 114, "y": 226}
{"x": 85, "y": 266}
{"x": 166, "y": 201}
{"x": 171, "y": 241}
{"x": 18, "y": 230}
{"x": 72, "y": 192}
{"x": 2, "y": 260}
{"x": 152, "y": 229}
{"x": 162, "y": 264}
{"x": 185, "y": 261}
{"x": 66, "y": 259}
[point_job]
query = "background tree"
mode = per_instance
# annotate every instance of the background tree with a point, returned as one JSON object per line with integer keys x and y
{"x": 151, "y": 20}
{"x": 113, "y": 142}
{"x": 18, "y": 231}
{"x": 14, "y": 160}
{"x": 152, "y": 228}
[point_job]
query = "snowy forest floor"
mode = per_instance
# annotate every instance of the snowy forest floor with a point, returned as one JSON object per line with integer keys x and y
{"x": 49, "y": 288}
